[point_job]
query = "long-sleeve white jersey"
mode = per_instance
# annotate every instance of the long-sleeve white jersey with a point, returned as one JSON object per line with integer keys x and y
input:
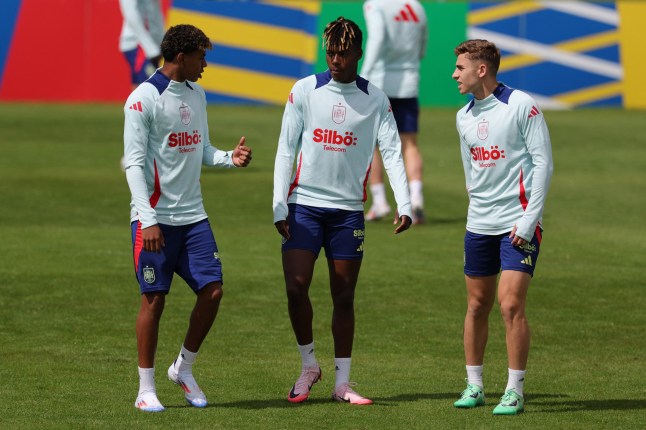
{"x": 166, "y": 140}
{"x": 143, "y": 24}
{"x": 507, "y": 158}
{"x": 328, "y": 136}
{"x": 397, "y": 35}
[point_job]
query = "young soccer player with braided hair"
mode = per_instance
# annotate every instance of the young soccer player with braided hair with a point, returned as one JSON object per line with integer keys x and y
{"x": 332, "y": 123}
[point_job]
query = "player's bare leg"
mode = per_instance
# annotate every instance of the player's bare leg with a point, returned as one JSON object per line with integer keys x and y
{"x": 512, "y": 296}
{"x": 147, "y": 328}
{"x": 202, "y": 318}
{"x": 343, "y": 281}
{"x": 414, "y": 172}
{"x": 379, "y": 208}
{"x": 203, "y": 315}
{"x": 298, "y": 268}
{"x": 481, "y": 294}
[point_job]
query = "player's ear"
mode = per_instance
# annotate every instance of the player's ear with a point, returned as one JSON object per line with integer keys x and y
{"x": 482, "y": 70}
{"x": 180, "y": 58}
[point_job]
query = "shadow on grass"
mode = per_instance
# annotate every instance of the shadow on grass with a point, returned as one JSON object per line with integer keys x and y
{"x": 538, "y": 403}
{"x": 570, "y": 405}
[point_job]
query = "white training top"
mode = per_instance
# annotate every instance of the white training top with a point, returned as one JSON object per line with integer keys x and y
{"x": 507, "y": 158}
{"x": 143, "y": 24}
{"x": 166, "y": 141}
{"x": 397, "y": 34}
{"x": 330, "y": 131}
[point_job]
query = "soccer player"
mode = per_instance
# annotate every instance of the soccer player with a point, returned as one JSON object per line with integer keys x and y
{"x": 397, "y": 36}
{"x": 331, "y": 124}
{"x": 507, "y": 158}
{"x": 166, "y": 141}
{"x": 141, "y": 33}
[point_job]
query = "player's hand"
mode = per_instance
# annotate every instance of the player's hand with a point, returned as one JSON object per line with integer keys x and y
{"x": 405, "y": 224}
{"x": 241, "y": 154}
{"x": 152, "y": 238}
{"x": 283, "y": 228}
{"x": 515, "y": 239}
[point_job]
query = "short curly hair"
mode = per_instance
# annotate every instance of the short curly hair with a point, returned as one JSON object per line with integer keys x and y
{"x": 184, "y": 38}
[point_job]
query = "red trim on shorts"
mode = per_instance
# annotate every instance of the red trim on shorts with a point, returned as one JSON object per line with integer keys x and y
{"x": 139, "y": 245}
{"x": 157, "y": 192}
{"x": 539, "y": 236}
{"x": 522, "y": 197}
{"x": 298, "y": 173}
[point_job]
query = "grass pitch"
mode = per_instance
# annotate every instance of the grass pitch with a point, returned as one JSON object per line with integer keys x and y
{"x": 68, "y": 298}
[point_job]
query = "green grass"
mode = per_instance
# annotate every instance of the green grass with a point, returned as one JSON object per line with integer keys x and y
{"x": 68, "y": 298}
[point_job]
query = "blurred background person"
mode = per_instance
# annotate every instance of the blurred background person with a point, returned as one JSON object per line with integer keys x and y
{"x": 397, "y": 35}
{"x": 141, "y": 34}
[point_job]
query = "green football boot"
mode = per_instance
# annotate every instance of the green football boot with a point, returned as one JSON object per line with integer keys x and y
{"x": 511, "y": 403}
{"x": 471, "y": 397}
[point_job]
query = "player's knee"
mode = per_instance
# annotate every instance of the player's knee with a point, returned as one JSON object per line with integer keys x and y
{"x": 511, "y": 309}
{"x": 213, "y": 293}
{"x": 477, "y": 309}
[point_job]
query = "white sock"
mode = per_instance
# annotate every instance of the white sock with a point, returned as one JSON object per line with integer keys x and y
{"x": 185, "y": 360}
{"x": 342, "y": 369}
{"x": 378, "y": 194}
{"x": 416, "y": 196}
{"x": 307, "y": 355}
{"x": 146, "y": 380}
{"x": 474, "y": 375}
{"x": 516, "y": 381}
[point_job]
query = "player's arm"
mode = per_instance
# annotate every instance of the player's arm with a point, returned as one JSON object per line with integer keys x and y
{"x": 390, "y": 149}
{"x": 376, "y": 28}
{"x": 537, "y": 140}
{"x": 423, "y": 41}
{"x": 135, "y": 139}
{"x": 137, "y": 30}
{"x": 465, "y": 155}
{"x": 291, "y": 134}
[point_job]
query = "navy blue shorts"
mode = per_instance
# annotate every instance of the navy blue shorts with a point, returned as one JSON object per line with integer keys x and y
{"x": 486, "y": 255}
{"x": 406, "y": 113}
{"x": 190, "y": 251}
{"x": 140, "y": 67}
{"x": 340, "y": 232}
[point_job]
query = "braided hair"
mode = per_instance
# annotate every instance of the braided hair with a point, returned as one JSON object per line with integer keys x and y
{"x": 342, "y": 34}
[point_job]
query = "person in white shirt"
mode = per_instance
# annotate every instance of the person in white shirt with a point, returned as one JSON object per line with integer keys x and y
{"x": 166, "y": 141}
{"x": 507, "y": 158}
{"x": 397, "y": 37}
{"x": 141, "y": 34}
{"x": 332, "y": 123}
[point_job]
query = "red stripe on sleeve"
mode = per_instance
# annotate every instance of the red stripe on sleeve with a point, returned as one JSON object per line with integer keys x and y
{"x": 365, "y": 184}
{"x": 157, "y": 192}
{"x": 298, "y": 173}
{"x": 522, "y": 197}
